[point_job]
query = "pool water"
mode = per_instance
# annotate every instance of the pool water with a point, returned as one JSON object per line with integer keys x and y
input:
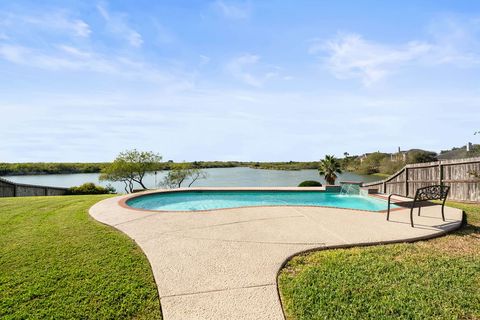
{"x": 208, "y": 200}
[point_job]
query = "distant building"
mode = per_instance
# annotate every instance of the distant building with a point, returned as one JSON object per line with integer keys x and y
{"x": 399, "y": 156}
{"x": 469, "y": 147}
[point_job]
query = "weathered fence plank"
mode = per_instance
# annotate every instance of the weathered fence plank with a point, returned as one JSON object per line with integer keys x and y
{"x": 457, "y": 174}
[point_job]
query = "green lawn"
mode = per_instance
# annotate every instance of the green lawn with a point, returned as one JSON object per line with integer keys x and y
{"x": 58, "y": 263}
{"x": 436, "y": 279}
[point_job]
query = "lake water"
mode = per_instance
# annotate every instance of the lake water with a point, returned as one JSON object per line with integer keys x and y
{"x": 216, "y": 177}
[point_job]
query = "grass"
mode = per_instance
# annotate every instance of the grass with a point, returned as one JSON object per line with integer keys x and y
{"x": 435, "y": 279}
{"x": 58, "y": 263}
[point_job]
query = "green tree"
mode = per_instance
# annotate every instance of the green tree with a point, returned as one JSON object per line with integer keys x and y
{"x": 421, "y": 156}
{"x": 130, "y": 167}
{"x": 182, "y": 172}
{"x": 329, "y": 167}
{"x": 371, "y": 163}
{"x": 387, "y": 166}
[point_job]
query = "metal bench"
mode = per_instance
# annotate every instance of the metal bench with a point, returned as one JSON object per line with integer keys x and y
{"x": 436, "y": 192}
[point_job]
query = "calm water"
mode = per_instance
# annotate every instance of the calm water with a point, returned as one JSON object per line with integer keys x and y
{"x": 207, "y": 200}
{"x": 217, "y": 177}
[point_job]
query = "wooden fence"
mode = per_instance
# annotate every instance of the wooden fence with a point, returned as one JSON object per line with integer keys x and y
{"x": 12, "y": 189}
{"x": 457, "y": 174}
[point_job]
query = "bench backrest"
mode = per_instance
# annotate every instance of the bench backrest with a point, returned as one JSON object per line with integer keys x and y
{"x": 436, "y": 192}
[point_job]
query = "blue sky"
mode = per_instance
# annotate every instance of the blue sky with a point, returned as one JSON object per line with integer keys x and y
{"x": 236, "y": 80}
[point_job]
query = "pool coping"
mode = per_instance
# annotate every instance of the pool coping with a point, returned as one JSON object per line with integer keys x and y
{"x": 123, "y": 201}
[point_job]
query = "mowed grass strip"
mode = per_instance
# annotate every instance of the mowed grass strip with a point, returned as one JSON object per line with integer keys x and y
{"x": 56, "y": 262}
{"x": 435, "y": 279}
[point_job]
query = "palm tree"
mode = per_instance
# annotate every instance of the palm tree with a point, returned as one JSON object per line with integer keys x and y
{"x": 329, "y": 167}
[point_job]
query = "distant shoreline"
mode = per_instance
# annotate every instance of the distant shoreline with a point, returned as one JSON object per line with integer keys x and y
{"x": 48, "y": 168}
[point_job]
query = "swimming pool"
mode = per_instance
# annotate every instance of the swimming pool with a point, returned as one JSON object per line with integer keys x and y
{"x": 210, "y": 200}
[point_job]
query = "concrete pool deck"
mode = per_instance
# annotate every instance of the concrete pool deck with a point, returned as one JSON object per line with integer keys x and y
{"x": 223, "y": 264}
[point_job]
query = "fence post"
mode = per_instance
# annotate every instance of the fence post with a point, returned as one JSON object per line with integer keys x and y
{"x": 384, "y": 187}
{"x": 406, "y": 182}
{"x": 440, "y": 173}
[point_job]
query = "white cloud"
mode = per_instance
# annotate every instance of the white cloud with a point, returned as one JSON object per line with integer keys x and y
{"x": 237, "y": 68}
{"x": 204, "y": 60}
{"x": 457, "y": 41}
{"x": 67, "y": 58}
{"x": 350, "y": 56}
{"x": 75, "y": 51}
{"x": 235, "y": 11}
{"x": 71, "y": 59}
{"x": 245, "y": 68}
{"x": 12, "y": 53}
{"x": 117, "y": 25}
{"x": 57, "y": 20}
{"x": 81, "y": 28}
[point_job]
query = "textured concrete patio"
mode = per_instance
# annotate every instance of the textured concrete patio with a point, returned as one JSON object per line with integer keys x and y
{"x": 223, "y": 264}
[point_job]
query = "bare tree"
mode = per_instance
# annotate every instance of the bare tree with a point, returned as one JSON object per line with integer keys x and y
{"x": 181, "y": 173}
{"x": 196, "y": 174}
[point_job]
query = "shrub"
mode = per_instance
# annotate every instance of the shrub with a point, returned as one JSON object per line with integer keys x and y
{"x": 371, "y": 163}
{"x": 310, "y": 183}
{"x": 421, "y": 156}
{"x": 388, "y": 166}
{"x": 90, "y": 188}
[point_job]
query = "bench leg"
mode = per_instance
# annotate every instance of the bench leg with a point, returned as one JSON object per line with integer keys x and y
{"x": 419, "y": 207}
{"x": 443, "y": 211}
{"x": 411, "y": 214}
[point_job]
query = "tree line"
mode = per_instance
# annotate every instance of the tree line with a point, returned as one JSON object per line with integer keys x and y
{"x": 376, "y": 162}
{"x": 373, "y": 163}
{"x": 36, "y": 168}
{"x": 39, "y": 168}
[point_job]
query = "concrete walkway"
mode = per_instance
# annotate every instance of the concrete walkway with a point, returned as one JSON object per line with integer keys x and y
{"x": 223, "y": 264}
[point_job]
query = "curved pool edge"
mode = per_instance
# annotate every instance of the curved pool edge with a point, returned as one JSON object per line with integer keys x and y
{"x": 199, "y": 278}
{"x": 123, "y": 201}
